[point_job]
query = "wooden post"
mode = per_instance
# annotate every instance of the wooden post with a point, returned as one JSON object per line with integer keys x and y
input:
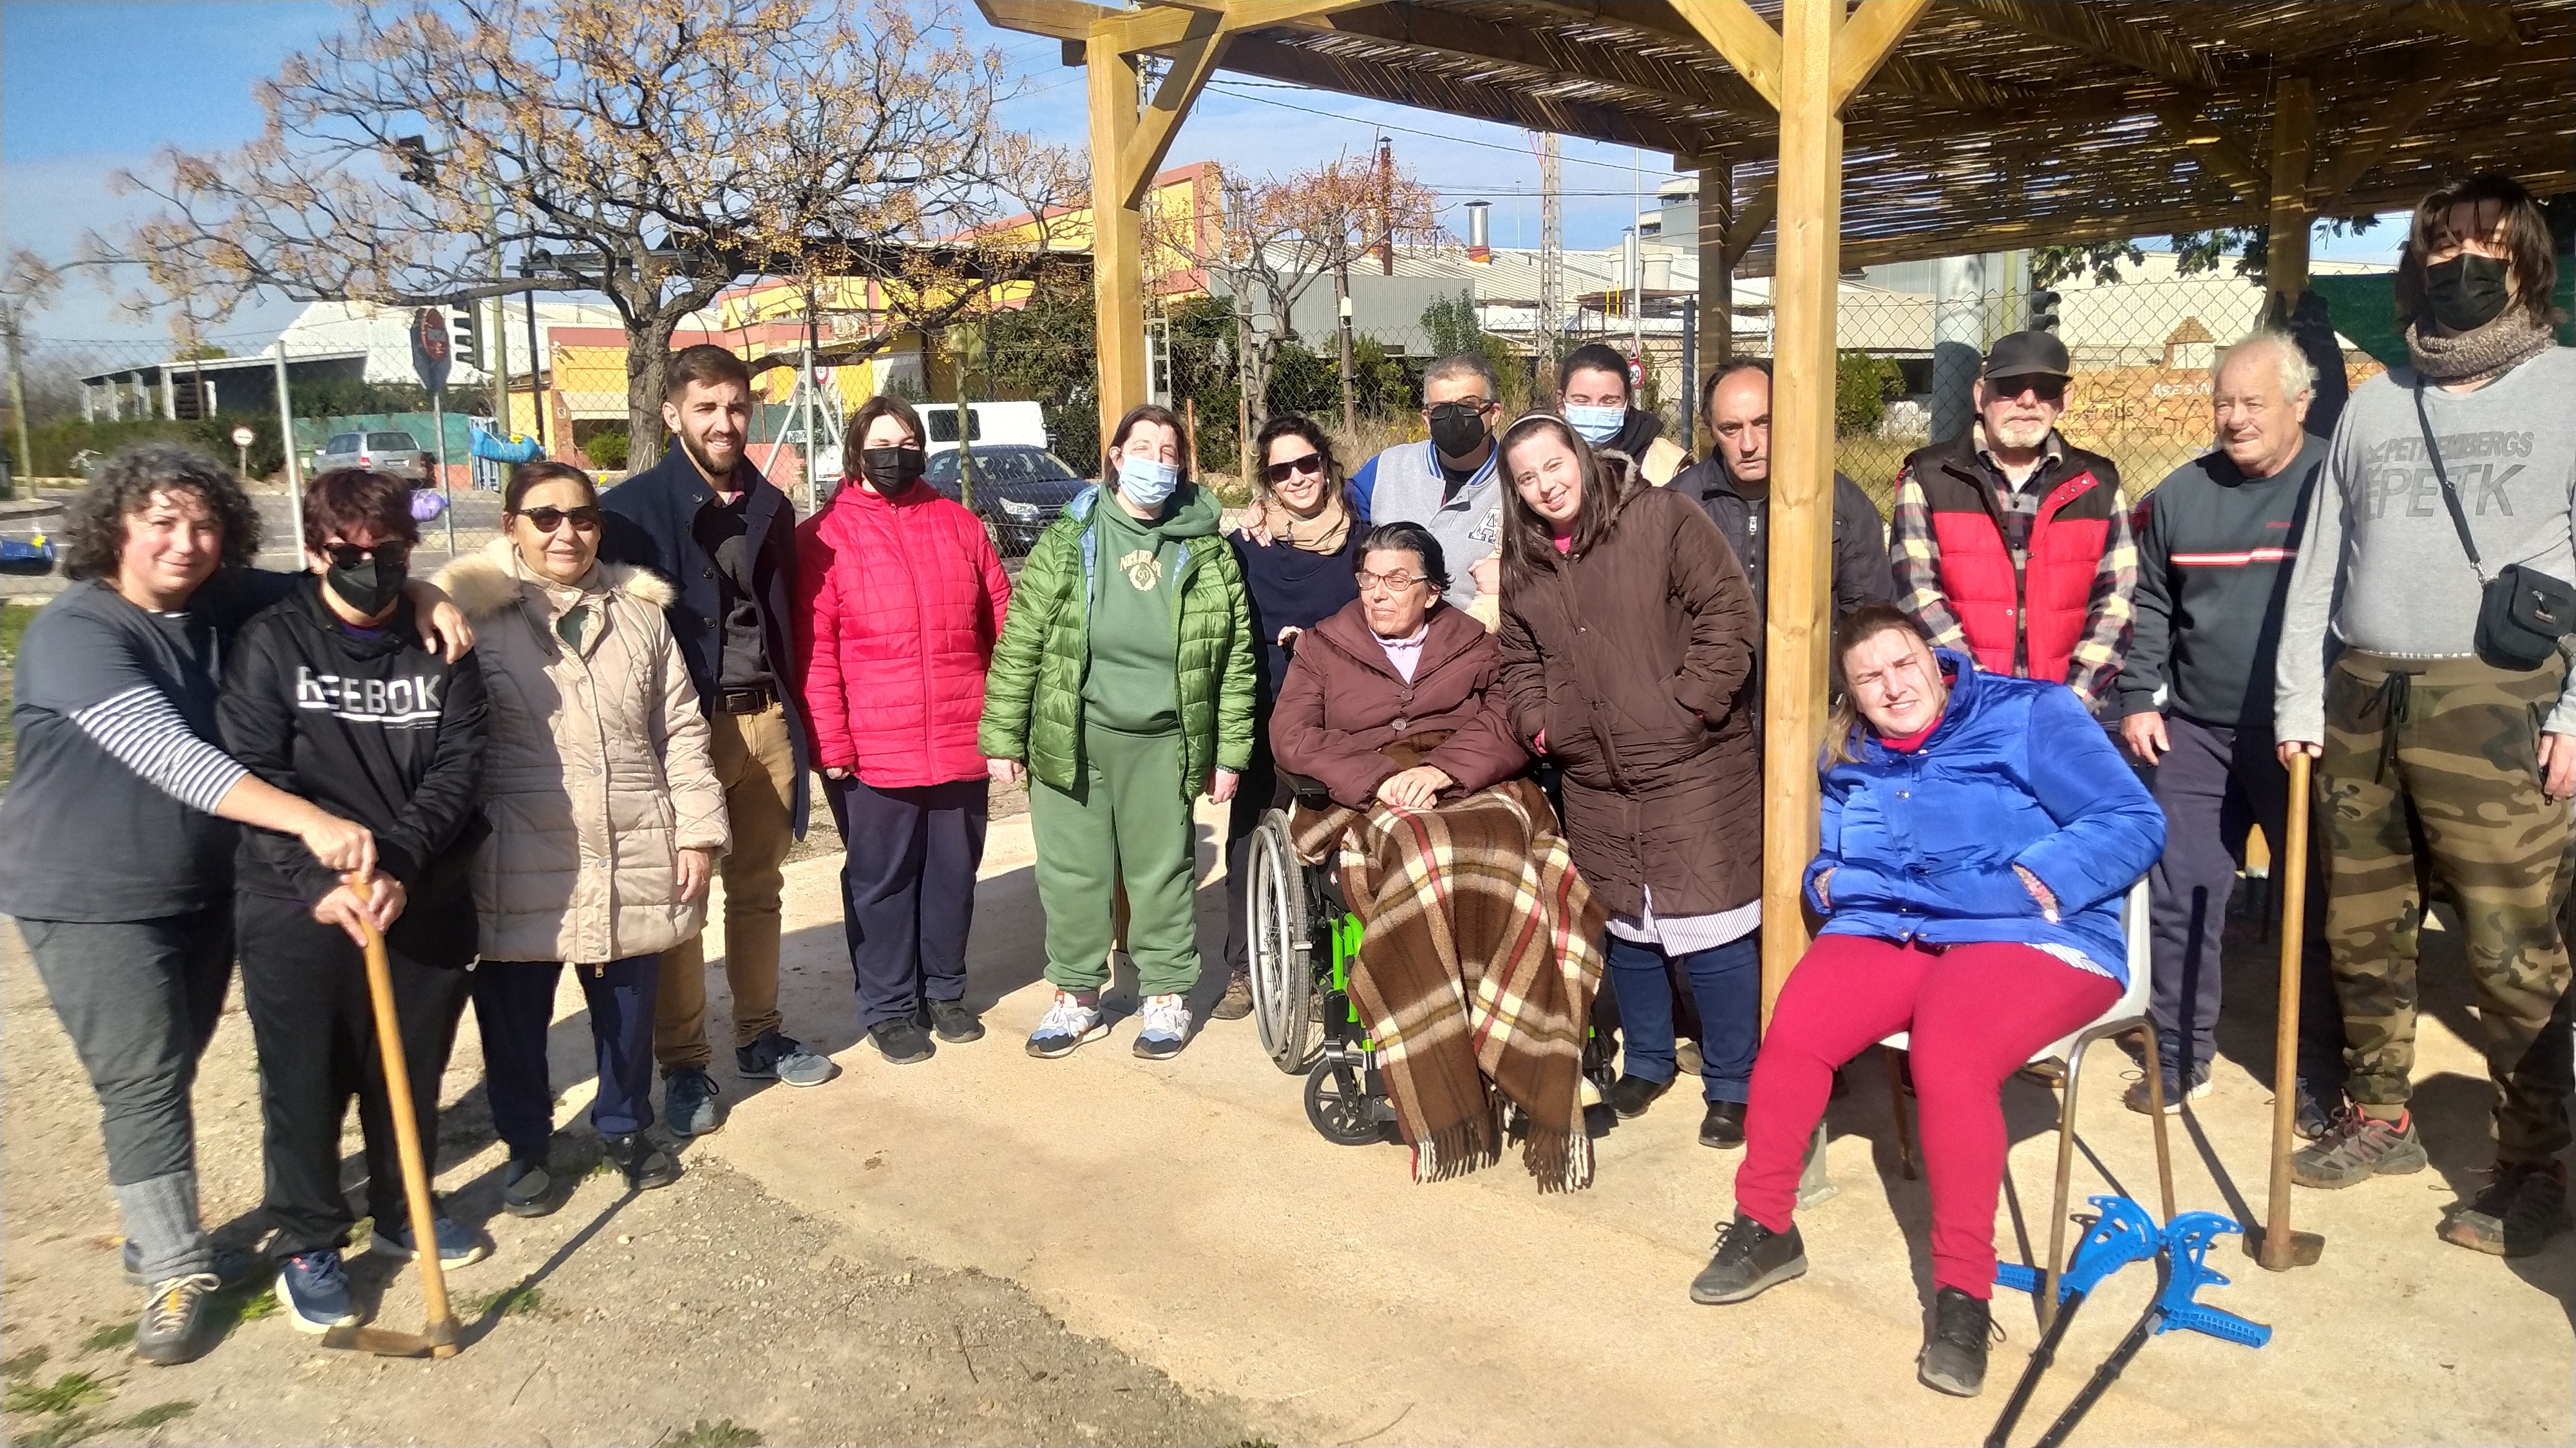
{"x": 1716, "y": 271}
{"x": 2294, "y": 135}
{"x": 1117, "y": 234}
{"x": 1796, "y": 663}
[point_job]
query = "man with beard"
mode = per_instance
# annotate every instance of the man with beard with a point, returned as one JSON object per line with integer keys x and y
{"x": 707, "y": 520}
{"x": 2012, "y": 545}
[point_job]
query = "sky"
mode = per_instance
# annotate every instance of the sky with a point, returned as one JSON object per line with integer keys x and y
{"x": 94, "y": 86}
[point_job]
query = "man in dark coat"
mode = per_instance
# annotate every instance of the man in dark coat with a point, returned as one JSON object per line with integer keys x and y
{"x": 706, "y": 519}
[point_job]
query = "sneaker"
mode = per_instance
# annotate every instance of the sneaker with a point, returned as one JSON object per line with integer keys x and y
{"x": 901, "y": 1042}
{"x": 2135, "y": 1098}
{"x": 689, "y": 1101}
{"x": 1236, "y": 1003}
{"x": 646, "y": 1165}
{"x": 1750, "y": 1257}
{"x": 457, "y": 1246}
{"x": 775, "y": 1057}
{"x": 232, "y": 1267}
{"x": 2521, "y": 1209}
{"x": 2357, "y": 1147}
{"x": 1954, "y": 1351}
{"x": 1068, "y": 1023}
{"x": 172, "y": 1329}
{"x": 954, "y": 1023}
{"x": 1167, "y": 1027}
{"x": 1723, "y": 1126}
{"x": 527, "y": 1188}
{"x": 315, "y": 1292}
{"x": 1631, "y": 1095}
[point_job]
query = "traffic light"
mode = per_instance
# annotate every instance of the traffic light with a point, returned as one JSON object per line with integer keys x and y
{"x": 461, "y": 341}
{"x": 2043, "y": 311}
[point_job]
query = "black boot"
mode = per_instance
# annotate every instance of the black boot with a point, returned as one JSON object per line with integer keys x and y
{"x": 1750, "y": 1257}
{"x": 1723, "y": 1126}
{"x": 646, "y": 1166}
{"x": 1954, "y": 1352}
{"x": 1631, "y": 1095}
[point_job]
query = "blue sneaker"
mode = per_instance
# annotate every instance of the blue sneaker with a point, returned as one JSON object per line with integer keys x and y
{"x": 457, "y": 1246}
{"x": 778, "y": 1057}
{"x": 315, "y": 1292}
{"x": 1167, "y": 1027}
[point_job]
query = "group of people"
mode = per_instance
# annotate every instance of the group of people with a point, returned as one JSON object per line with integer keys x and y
{"x": 1522, "y": 658}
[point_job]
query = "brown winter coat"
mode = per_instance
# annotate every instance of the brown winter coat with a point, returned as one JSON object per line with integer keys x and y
{"x": 597, "y": 774}
{"x": 1633, "y": 658}
{"x": 1343, "y": 703}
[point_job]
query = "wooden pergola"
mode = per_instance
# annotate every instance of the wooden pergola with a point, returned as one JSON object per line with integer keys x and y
{"x": 1882, "y": 131}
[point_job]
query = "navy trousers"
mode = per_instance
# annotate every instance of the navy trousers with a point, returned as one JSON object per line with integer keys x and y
{"x": 514, "y": 1005}
{"x": 2214, "y": 784}
{"x": 907, "y": 890}
{"x": 1727, "y": 984}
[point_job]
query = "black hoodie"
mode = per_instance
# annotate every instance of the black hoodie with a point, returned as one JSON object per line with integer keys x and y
{"x": 375, "y": 728}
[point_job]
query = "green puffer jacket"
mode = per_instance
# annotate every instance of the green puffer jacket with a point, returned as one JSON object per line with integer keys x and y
{"x": 1033, "y": 696}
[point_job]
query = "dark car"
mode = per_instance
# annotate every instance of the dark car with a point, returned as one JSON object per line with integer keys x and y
{"x": 1018, "y": 491}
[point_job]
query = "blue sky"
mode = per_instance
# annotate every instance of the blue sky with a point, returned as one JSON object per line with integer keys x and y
{"x": 89, "y": 87}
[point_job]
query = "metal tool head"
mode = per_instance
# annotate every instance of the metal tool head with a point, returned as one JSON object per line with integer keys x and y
{"x": 2305, "y": 1249}
{"x": 385, "y": 1342}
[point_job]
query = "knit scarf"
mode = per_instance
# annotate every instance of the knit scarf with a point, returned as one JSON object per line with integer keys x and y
{"x": 1323, "y": 533}
{"x": 2510, "y": 340}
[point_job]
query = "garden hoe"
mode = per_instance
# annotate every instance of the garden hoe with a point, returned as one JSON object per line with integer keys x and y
{"x": 438, "y": 1338}
{"x": 2273, "y": 1244}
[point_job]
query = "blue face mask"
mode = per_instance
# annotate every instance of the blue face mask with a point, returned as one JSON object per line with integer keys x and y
{"x": 1596, "y": 424}
{"x": 1148, "y": 484}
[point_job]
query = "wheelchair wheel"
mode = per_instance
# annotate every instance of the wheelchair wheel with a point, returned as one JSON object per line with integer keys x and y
{"x": 1282, "y": 947}
{"x": 1339, "y": 1106}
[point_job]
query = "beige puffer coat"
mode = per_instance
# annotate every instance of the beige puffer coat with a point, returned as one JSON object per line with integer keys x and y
{"x": 597, "y": 774}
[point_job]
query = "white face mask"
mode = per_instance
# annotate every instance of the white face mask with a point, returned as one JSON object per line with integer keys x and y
{"x": 1148, "y": 484}
{"x": 1595, "y": 424}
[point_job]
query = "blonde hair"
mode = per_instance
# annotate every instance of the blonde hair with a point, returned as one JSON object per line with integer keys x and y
{"x": 1843, "y": 726}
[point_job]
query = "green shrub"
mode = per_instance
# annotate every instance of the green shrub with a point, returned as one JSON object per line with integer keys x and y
{"x": 1863, "y": 386}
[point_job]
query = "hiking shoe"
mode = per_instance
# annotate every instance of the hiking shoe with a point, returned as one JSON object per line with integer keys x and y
{"x": 527, "y": 1188}
{"x": 315, "y": 1292}
{"x": 901, "y": 1042}
{"x": 232, "y": 1267}
{"x": 1167, "y": 1027}
{"x": 954, "y": 1023}
{"x": 689, "y": 1101}
{"x": 1750, "y": 1257}
{"x": 457, "y": 1246}
{"x": 776, "y": 1057}
{"x": 1236, "y": 1003}
{"x": 2135, "y": 1098}
{"x": 1068, "y": 1023}
{"x": 1954, "y": 1351}
{"x": 1631, "y": 1095}
{"x": 2357, "y": 1147}
{"x": 2521, "y": 1209}
{"x": 172, "y": 1328}
{"x": 646, "y": 1165}
{"x": 1723, "y": 1126}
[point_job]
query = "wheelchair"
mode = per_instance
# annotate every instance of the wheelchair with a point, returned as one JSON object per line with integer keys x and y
{"x": 1304, "y": 943}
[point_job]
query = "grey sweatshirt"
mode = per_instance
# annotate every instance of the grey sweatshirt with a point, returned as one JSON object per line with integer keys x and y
{"x": 2380, "y": 567}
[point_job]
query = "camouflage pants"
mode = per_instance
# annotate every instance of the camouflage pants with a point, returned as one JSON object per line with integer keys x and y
{"x": 2449, "y": 747}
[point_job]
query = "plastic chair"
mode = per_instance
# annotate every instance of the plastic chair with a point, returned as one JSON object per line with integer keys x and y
{"x": 2127, "y": 1016}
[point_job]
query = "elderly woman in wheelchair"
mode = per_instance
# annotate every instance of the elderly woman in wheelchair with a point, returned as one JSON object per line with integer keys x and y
{"x": 1419, "y": 886}
{"x": 1979, "y": 835}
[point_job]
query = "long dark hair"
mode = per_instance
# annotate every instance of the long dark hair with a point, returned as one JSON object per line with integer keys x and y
{"x": 1298, "y": 425}
{"x": 1529, "y": 544}
{"x": 94, "y": 525}
{"x": 2531, "y": 265}
{"x": 1147, "y": 412}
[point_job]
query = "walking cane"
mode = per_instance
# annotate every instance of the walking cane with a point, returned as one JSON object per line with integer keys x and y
{"x": 438, "y": 1338}
{"x": 2273, "y": 1244}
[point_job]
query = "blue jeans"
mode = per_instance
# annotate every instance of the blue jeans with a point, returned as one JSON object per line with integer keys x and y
{"x": 1727, "y": 982}
{"x": 514, "y": 1008}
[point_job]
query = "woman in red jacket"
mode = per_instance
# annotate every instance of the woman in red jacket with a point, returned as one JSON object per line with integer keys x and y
{"x": 902, "y": 599}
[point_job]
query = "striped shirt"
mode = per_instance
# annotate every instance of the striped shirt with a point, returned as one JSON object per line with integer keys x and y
{"x": 1686, "y": 934}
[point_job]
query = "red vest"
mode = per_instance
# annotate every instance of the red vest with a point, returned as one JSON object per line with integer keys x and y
{"x": 2022, "y": 616}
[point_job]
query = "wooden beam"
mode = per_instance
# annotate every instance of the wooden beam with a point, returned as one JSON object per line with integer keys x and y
{"x": 1749, "y": 223}
{"x": 1262, "y": 56}
{"x": 1117, "y": 234}
{"x": 2389, "y": 122}
{"x": 1716, "y": 273}
{"x": 2470, "y": 20}
{"x": 1161, "y": 27}
{"x": 1670, "y": 80}
{"x": 1796, "y": 658}
{"x": 1748, "y": 42}
{"x": 2294, "y": 134}
{"x": 1063, "y": 19}
{"x": 1659, "y": 22}
{"x": 1868, "y": 40}
{"x": 1193, "y": 61}
{"x": 2214, "y": 149}
{"x": 2087, "y": 29}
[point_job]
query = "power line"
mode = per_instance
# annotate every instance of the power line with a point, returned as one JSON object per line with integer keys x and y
{"x": 1228, "y": 87}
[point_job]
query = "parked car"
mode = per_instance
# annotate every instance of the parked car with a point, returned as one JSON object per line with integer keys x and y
{"x": 398, "y": 453}
{"x": 1018, "y": 491}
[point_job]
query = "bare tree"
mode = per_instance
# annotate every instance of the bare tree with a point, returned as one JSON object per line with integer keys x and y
{"x": 651, "y": 151}
{"x": 27, "y": 284}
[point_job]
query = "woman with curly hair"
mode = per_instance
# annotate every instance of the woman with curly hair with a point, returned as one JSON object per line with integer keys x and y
{"x": 120, "y": 828}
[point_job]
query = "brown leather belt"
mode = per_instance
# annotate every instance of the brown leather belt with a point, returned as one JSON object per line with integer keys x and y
{"x": 745, "y": 701}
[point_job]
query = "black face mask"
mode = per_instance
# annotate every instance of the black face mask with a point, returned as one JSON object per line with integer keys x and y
{"x": 371, "y": 587}
{"x": 1457, "y": 431}
{"x": 2466, "y": 292}
{"x": 890, "y": 470}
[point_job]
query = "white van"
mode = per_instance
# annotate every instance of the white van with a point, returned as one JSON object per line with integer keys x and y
{"x": 990, "y": 423}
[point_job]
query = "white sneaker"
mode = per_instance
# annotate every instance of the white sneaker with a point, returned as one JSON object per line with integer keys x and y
{"x": 1068, "y": 1023}
{"x": 1167, "y": 1027}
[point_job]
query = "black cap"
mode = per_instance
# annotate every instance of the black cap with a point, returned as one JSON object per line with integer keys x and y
{"x": 2028, "y": 354}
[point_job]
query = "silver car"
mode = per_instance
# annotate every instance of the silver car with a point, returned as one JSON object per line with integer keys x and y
{"x": 398, "y": 453}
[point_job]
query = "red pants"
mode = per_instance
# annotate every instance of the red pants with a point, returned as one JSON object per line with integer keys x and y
{"x": 1977, "y": 1012}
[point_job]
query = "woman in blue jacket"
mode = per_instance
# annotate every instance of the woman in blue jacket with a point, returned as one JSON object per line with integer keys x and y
{"x": 1979, "y": 835}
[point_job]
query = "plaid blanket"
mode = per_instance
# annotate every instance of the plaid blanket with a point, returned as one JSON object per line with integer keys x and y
{"x": 1476, "y": 972}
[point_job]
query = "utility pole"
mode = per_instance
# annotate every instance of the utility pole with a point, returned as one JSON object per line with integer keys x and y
{"x": 805, "y": 390}
{"x": 499, "y": 332}
{"x": 1342, "y": 296}
{"x": 1551, "y": 257}
{"x": 536, "y": 354}
{"x": 18, "y": 402}
{"x": 1386, "y": 205}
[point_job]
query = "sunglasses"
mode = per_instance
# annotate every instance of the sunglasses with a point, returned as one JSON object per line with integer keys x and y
{"x": 1389, "y": 582}
{"x": 584, "y": 519}
{"x": 2046, "y": 389}
{"x": 346, "y": 556}
{"x": 1461, "y": 409}
{"x": 1282, "y": 472}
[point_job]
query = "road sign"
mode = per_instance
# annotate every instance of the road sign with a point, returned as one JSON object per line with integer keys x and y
{"x": 430, "y": 354}
{"x": 244, "y": 437}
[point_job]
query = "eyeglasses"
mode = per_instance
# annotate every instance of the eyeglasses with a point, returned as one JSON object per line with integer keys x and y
{"x": 346, "y": 556}
{"x": 2051, "y": 390}
{"x": 1282, "y": 472}
{"x": 584, "y": 519}
{"x": 1460, "y": 410}
{"x": 1388, "y": 582}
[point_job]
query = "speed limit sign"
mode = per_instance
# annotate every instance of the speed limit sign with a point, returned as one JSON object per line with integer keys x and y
{"x": 244, "y": 437}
